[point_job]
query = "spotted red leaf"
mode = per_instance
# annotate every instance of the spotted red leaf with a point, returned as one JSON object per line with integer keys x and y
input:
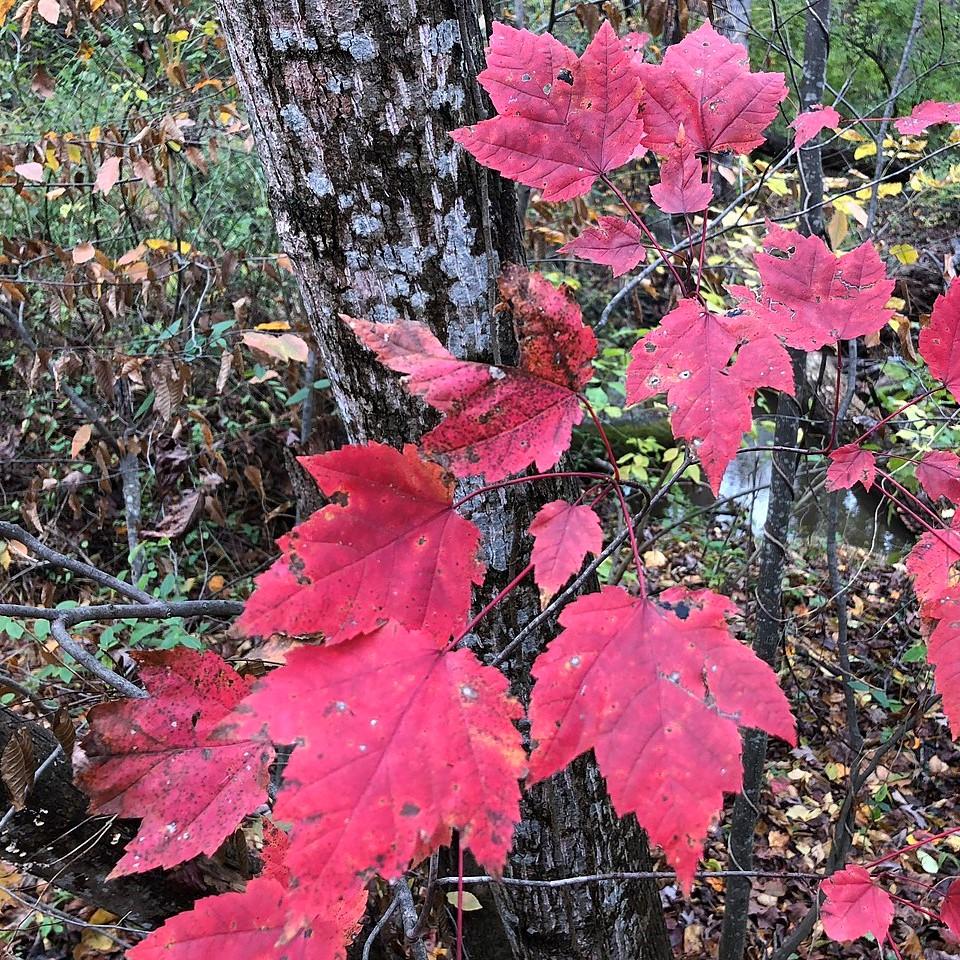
{"x": 396, "y": 550}
{"x": 810, "y": 297}
{"x": 705, "y": 85}
{"x": 612, "y": 242}
{"x": 939, "y": 475}
{"x": 807, "y": 125}
{"x": 849, "y": 466}
{"x": 950, "y": 908}
{"x": 164, "y": 760}
{"x": 928, "y": 114}
{"x": 855, "y": 906}
{"x": 940, "y": 339}
{"x": 934, "y": 564}
{"x": 710, "y": 369}
{"x": 399, "y": 744}
{"x": 562, "y": 121}
{"x": 682, "y": 188}
{"x": 498, "y": 420}
{"x": 657, "y": 693}
{"x": 261, "y": 923}
{"x": 563, "y": 534}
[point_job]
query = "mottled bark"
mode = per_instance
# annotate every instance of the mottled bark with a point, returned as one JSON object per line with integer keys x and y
{"x": 732, "y": 19}
{"x": 816, "y": 49}
{"x": 384, "y": 217}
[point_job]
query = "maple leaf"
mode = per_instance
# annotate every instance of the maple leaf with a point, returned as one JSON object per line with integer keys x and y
{"x": 855, "y": 906}
{"x": 927, "y": 114}
{"x": 950, "y": 908}
{"x": 562, "y": 121}
{"x": 710, "y": 370}
{"x": 498, "y": 420}
{"x": 563, "y": 534}
{"x": 682, "y": 188}
{"x": 399, "y": 743}
{"x": 612, "y": 242}
{"x": 939, "y": 475}
{"x": 396, "y": 550}
{"x": 261, "y": 923}
{"x": 164, "y": 760}
{"x": 807, "y": 125}
{"x": 940, "y": 339}
{"x": 850, "y": 465}
{"x": 626, "y": 678}
{"x": 810, "y": 297}
{"x": 704, "y": 84}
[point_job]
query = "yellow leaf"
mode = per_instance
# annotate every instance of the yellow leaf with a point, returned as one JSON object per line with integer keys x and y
{"x": 778, "y": 186}
{"x": 74, "y": 153}
{"x": 274, "y": 325}
{"x": 851, "y": 208}
{"x": 470, "y": 902}
{"x": 905, "y": 253}
{"x": 865, "y": 150}
{"x": 5, "y": 7}
{"x": 51, "y": 157}
{"x": 851, "y": 135}
{"x": 141, "y": 94}
{"x": 838, "y": 228}
{"x": 95, "y": 133}
{"x": 80, "y": 439}
{"x": 288, "y": 346}
{"x": 178, "y": 36}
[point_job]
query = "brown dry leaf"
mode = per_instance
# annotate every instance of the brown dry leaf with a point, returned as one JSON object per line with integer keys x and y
{"x": 84, "y": 252}
{"x": 179, "y": 519}
{"x": 226, "y": 365}
{"x": 107, "y": 176}
{"x": 17, "y": 767}
{"x": 255, "y": 478}
{"x": 693, "y": 940}
{"x": 80, "y": 439}
{"x": 64, "y": 730}
{"x": 42, "y": 84}
{"x": 9, "y": 880}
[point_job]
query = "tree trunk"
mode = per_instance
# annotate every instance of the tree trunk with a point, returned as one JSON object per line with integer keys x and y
{"x": 385, "y": 218}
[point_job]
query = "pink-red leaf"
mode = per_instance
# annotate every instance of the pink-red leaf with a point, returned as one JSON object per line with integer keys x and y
{"x": 939, "y": 475}
{"x": 807, "y": 125}
{"x": 164, "y": 760}
{"x": 950, "y": 908}
{"x": 928, "y": 114}
{"x": 261, "y": 923}
{"x": 563, "y": 534}
{"x": 657, "y": 693}
{"x": 705, "y": 85}
{"x": 396, "y": 550}
{"x": 562, "y": 121}
{"x": 940, "y": 339}
{"x": 682, "y": 188}
{"x": 710, "y": 369}
{"x": 849, "y": 466}
{"x": 810, "y": 297}
{"x": 612, "y": 242}
{"x": 498, "y": 419}
{"x": 399, "y": 744}
{"x": 855, "y": 906}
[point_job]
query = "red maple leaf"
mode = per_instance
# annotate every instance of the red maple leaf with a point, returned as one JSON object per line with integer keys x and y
{"x": 939, "y": 475}
{"x": 399, "y": 743}
{"x": 657, "y": 693}
{"x": 855, "y": 906}
{"x": 927, "y": 114}
{"x": 396, "y": 550}
{"x": 612, "y": 242}
{"x": 710, "y": 369}
{"x": 940, "y": 339}
{"x": 261, "y": 923}
{"x": 950, "y": 908}
{"x": 164, "y": 760}
{"x": 808, "y": 125}
{"x": 705, "y": 85}
{"x": 810, "y": 297}
{"x": 682, "y": 188}
{"x": 498, "y": 420}
{"x": 850, "y": 465}
{"x": 563, "y": 534}
{"x": 562, "y": 121}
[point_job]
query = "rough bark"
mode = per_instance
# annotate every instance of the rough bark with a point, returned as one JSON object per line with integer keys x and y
{"x": 384, "y": 217}
{"x": 732, "y": 19}
{"x": 816, "y": 49}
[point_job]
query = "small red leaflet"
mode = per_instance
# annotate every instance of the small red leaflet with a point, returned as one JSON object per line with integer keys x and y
{"x": 563, "y": 534}
{"x": 808, "y": 125}
{"x": 498, "y": 419}
{"x": 928, "y": 114}
{"x": 163, "y": 759}
{"x": 855, "y": 906}
{"x": 849, "y": 466}
{"x": 395, "y": 550}
{"x": 613, "y": 242}
{"x": 682, "y": 188}
{"x": 562, "y": 121}
{"x": 939, "y": 475}
{"x": 940, "y": 339}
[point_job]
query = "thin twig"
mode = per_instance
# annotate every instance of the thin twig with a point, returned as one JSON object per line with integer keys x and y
{"x": 59, "y": 630}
